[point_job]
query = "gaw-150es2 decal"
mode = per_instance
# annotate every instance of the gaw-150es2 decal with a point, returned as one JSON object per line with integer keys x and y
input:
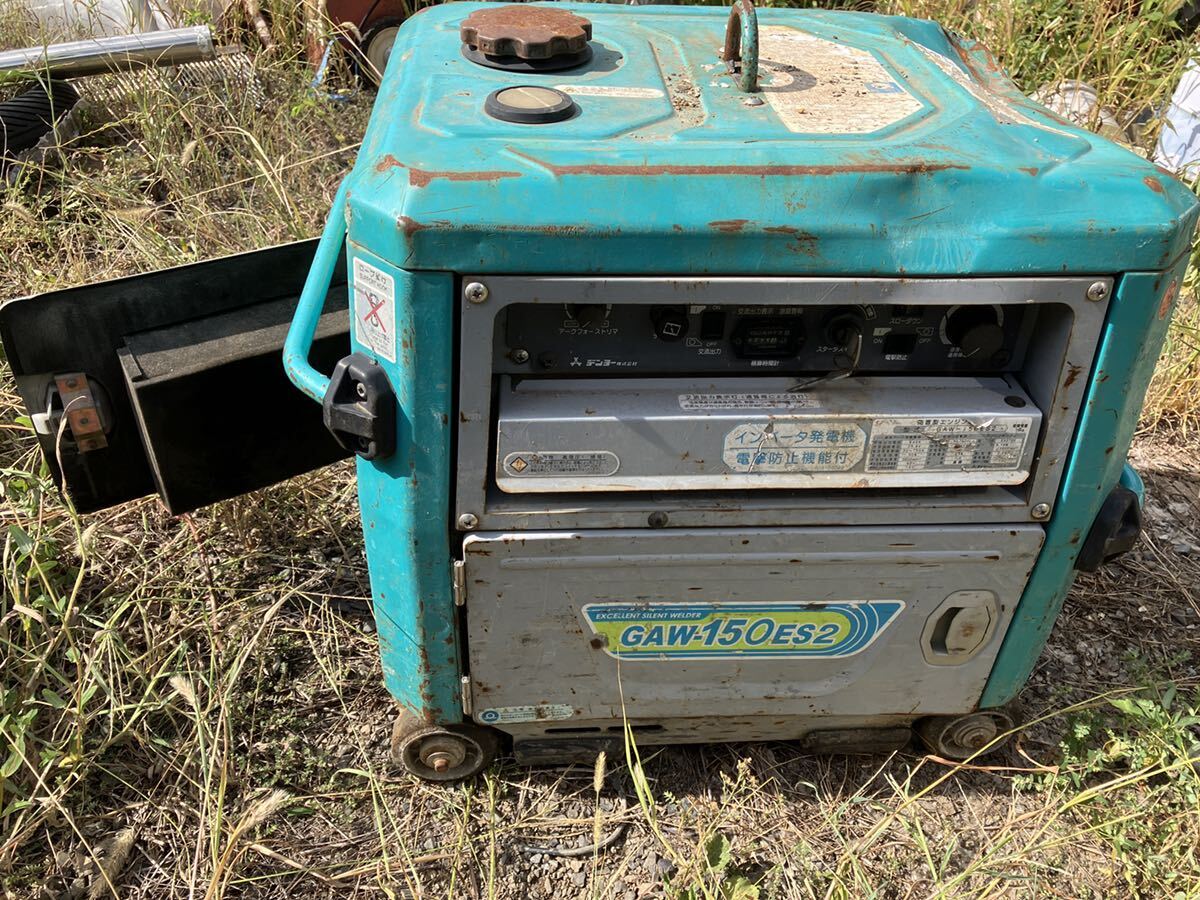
{"x": 721, "y": 630}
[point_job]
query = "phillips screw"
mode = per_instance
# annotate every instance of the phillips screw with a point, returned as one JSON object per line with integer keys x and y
{"x": 476, "y": 292}
{"x": 1097, "y": 290}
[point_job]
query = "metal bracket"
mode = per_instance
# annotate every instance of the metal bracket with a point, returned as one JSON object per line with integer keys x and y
{"x": 83, "y": 416}
{"x": 359, "y": 407}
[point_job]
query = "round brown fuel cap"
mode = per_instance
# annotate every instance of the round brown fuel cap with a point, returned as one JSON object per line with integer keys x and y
{"x": 526, "y": 38}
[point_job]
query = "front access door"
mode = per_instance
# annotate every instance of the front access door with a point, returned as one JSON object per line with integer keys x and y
{"x": 851, "y": 621}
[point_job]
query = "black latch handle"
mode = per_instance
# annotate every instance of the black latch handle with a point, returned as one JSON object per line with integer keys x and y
{"x": 359, "y": 407}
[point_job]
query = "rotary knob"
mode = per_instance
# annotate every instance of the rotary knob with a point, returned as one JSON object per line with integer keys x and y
{"x": 976, "y": 330}
{"x": 526, "y": 38}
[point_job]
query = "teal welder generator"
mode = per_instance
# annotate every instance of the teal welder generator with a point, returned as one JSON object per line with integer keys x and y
{"x": 712, "y": 374}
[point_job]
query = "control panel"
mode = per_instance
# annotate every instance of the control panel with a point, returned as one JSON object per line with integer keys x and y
{"x": 621, "y": 339}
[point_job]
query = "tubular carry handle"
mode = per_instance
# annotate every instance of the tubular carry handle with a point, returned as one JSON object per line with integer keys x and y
{"x": 358, "y": 404}
{"x": 741, "y": 45}
{"x": 312, "y": 301}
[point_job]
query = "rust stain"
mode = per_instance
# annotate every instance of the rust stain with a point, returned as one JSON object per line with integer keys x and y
{"x": 422, "y": 177}
{"x": 729, "y": 226}
{"x": 410, "y": 226}
{"x": 387, "y": 161}
{"x": 1153, "y": 183}
{"x": 916, "y": 167}
{"x": 1072, "y": 374}
{"x": 1168, "y": 299}
{"x": 1029, "y": 170}
{"x": 806, "y": 241}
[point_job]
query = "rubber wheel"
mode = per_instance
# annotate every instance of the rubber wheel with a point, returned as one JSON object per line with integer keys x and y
{"x": 377, "y": 49}
{"x": 28, "y": 116}
{"x": 442, "y": 752}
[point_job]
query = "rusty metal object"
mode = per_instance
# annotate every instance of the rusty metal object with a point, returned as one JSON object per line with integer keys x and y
{"x": 441, "y": 753}
{"x": 967, "y": 736}
{"x": 79, "y": 406}
{"x": 528, "y": 32}
{"x": 525, "y": 37}
{"x": 741, "y": 45}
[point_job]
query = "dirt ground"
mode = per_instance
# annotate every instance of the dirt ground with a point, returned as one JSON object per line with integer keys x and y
{"x": 266, "y": 775}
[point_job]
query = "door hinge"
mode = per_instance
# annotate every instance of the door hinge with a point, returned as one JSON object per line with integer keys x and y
{"x": 458, "y": 578}
{"x": 466, "y": 695}
{"x": 81, "y": 411}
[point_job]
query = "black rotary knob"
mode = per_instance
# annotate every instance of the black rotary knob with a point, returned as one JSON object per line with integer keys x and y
{"x": 975, "y": 330}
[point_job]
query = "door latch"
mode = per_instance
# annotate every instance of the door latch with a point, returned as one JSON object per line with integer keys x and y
{"x": 359, "y": 407}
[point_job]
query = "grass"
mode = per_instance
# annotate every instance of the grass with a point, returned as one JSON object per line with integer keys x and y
{"x": 192, "y": 707}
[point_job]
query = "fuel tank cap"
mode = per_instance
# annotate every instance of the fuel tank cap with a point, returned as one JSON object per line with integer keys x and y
{"x": 523, "y": 38}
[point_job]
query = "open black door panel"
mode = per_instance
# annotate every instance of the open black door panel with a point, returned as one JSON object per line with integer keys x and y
{"x": 173, "y": 381}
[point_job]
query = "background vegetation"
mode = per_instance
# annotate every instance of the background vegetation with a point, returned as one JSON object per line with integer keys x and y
{"x": 192, "y": 706}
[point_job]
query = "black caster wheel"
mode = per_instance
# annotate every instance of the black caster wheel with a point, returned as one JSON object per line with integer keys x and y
{"x": 441, "y": 752}
{"x": 961, "y": 737}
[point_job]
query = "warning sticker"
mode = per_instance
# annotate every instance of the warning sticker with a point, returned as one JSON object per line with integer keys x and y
{"x": 545, "y": 712}
{"x": 794, "y": 447}
{"x": 936, "y": 444}
{"x": 576, "y": 463}
{"x": 745, "y": 401}
{"x": 817, "y": 86}
{"x": 375, "y": 310}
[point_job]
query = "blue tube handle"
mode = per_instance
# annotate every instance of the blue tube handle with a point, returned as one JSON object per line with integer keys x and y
{"x": 312, "y": 301}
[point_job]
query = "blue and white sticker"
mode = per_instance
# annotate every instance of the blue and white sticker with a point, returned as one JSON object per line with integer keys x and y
{"x": 545, "y": 712}
{"x": 725, "y": 630}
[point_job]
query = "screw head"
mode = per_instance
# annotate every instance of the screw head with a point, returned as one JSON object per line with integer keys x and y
{"x": 1041, "y": 511}
{"x": 361, "y": 390}
{"x": 476, "y": 292}
{"x": 468, "y": 521}
{"x": 520, "y": 356}
{"x": 1097, "y": 290}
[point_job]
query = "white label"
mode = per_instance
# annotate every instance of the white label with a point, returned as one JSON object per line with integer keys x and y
{"x": 546, "y": 712}
{"x": 598, "y": 90}
{"x": 573, "y": 463}
{"x": 745, "y": 401}
{"x": 798, "y": 446}
{"x": 375, "y": 310}
{"x": 817, "y": 86}
{"x": 932, "y": 443}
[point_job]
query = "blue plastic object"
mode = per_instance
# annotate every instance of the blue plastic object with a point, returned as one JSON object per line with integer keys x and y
{"x": 667, "y": 169}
